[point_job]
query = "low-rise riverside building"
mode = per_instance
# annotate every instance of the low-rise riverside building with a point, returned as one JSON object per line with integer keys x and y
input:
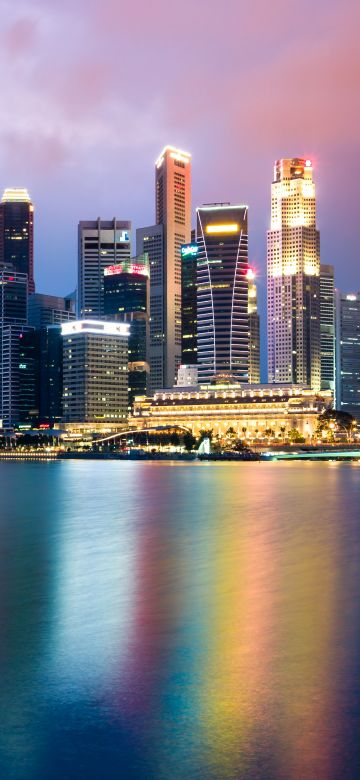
{"x": 250, "y": 410}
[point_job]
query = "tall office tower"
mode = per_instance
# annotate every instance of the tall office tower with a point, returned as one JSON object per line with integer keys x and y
{"x": 95, "y": 371}
{"x": 254, "y": 331}
{"x": 13, "y": 297}
{"x": 40, "y": 369}
{"x": 17, "y": 232}
{"x": 327, "y": 327}
{"x": 151, "y": 241}
{"x": 173, "y": 228}
{"x": 100, "y": 243}
{"x": 49, "y": 310}
{"x": 293, "y": 270}
{"x": 126, "y": 299}
{"x": 189, "y": 254}
{"x": 11, "y": 377}
{"x": 13, "y": 318}
{"x": 222, "y": 293}
{"x": 347, "y": 393}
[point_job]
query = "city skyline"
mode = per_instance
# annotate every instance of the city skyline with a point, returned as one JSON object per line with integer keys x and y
{"x": 86, "y": 138}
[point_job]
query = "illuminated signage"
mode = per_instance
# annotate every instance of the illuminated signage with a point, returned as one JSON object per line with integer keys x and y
{"x": 230, "y": 227}
{"x": 250, "y": 274}
{"x": 126, "y": 268}
{"x": 189, "y": 250}
{"x": 95, "y": 326}
{"x": 123, "y": 236}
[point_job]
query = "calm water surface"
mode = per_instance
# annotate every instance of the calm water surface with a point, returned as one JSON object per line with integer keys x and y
{"x": 176, "y": 621}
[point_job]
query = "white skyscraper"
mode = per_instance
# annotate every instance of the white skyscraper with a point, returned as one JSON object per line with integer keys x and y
{"x": 101, "y": 243}
{"x": 293, "y": 275}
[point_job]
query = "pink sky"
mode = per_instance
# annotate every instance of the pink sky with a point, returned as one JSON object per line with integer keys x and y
{"x": 91, "y": 92}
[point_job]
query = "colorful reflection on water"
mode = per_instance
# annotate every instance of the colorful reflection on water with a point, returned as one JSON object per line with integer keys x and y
{"x": 180, "y": 621}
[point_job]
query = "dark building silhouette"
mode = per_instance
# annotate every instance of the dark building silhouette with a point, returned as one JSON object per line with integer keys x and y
{"x": 189, "y": 254}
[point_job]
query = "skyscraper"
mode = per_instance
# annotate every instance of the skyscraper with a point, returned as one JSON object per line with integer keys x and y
{"x": 293, "y": 270}
{"x": 222, "y": 293}
{"x": 126, "y": 299}
{"x": 17, "y": 232}
{"x": 13, "y": 318}
{"x": 327, "y": 326}
{"x": 347, "y": 395}
{"x": 100, "y": 244}
{"x": 189, "y": 254}
{"x": 49, "y": 310}
{"x": 95, "y": 371}
{"x": 172, "y": 229}
{"x": 254, "y": 331}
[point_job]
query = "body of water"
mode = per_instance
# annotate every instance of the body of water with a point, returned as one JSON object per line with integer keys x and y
{"x": 181, "y": 620}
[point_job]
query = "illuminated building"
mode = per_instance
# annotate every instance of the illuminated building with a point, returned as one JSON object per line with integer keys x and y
{"x": 100, "y": 244}
{"x": 17, "y": 232}
{"x": 293, "y": 271}
{"x": 347, "y": 395}
{"x": 254, "y": 331}
{"x": 126, "y": 299}
{"x": 250, "y": 411}
{"x": 49, "y": 310}
{"x": 189, "y": 254}
{"x": 95, "y": 371}
{"x": 222, "y": 292}
{"x": 163, "y": 242}
{"x": 13, "y": 319}
{"x": 327, "y": 327}
{"x": 187, "y": 376}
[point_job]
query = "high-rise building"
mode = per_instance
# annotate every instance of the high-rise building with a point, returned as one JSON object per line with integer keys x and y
{"x": 100, "y": 244}
{"x": 347, "y": 394}
{"x": 327, "y": 327}
{"x": 126, "y": 299}
{"x": 11, "y": 376}
{"x": 17, "y": 232}
{"x": 13, "y": 297}
{"x": 173, "y": 217}
{"x": 151, "y": 241}
{"x": 293, "y": 270}
{"x": 49, "y": 310}
{"x": 95, "y": 371}
{"x": 222, "y": 293}
{"x": 189, "y": 254}
{"x": 254, "y": 330}
{"x": 13, "y": 318}
{"x": 40, "y": 367}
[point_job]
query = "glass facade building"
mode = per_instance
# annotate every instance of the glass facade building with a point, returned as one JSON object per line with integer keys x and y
{"x": 13, "y": 319}
{"x": 126, "y": 299}
{"x": 41, "y": 373}
{"x": 50, "y": 310}
{"x": 222, "y": 293}
{"x": 189, "y": 254}
{"x": 254, "y": 332}
{"x": 347, "y": 396}
{"x": 327, "y": 327}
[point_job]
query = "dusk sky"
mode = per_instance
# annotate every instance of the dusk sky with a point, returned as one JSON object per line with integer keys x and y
{"x": 92, "y": 91}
